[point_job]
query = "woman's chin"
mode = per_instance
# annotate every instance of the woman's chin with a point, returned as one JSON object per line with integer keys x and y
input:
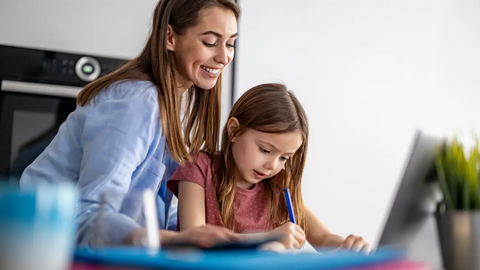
{"x": 206, "y": 84}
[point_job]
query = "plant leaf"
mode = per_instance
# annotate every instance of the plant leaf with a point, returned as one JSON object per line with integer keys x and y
{"x": 439, "y": 165}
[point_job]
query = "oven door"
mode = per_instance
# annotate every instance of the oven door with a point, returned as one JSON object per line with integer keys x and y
{"x": 30, "y": 115}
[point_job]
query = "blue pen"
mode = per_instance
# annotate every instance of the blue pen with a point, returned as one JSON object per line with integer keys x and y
{"x": 288, "y": 199}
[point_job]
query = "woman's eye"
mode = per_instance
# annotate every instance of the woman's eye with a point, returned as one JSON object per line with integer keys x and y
{"x": 264, "y": 150}
{"x": 209, "y": 44}
{"x": 231, "y": 45}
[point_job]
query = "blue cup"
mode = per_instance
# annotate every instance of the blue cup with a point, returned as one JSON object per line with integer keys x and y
{"x": 37, "y": 227}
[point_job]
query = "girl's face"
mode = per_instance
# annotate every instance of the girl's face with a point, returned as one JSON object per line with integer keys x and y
{"x": 259, "y": 155}
{"x": 204, "y": 50}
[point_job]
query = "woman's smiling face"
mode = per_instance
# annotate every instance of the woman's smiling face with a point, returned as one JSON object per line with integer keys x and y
{"x": 203, "y": 51}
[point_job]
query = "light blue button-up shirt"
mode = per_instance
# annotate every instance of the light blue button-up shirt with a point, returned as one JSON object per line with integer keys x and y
{"x": 110, "y": 149}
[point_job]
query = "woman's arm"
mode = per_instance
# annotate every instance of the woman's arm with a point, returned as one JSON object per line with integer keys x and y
{"x": 191, "y": 205}
{"x": 116, "y": 137}
{"x": 203, "y": 236}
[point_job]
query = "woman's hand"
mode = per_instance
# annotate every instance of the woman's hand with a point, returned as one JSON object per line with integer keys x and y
{"x": 203, "y": 236}
{"x": 291, "y": 235}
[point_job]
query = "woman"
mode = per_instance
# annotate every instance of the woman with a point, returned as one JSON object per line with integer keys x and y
{"x": 126, "y": 134}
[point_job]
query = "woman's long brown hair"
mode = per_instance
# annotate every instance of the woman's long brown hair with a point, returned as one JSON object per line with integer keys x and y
{"x": 157, "y": 65}
{"x": 267, "y": 108}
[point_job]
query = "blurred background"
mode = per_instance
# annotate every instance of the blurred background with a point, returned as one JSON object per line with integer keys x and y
{"x": 369, "y": 73}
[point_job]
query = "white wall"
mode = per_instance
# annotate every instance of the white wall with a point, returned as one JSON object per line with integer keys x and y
{"x": 113, "y": 28}
{"x": 116, "y": 28}
{"x": 368, "y": 74}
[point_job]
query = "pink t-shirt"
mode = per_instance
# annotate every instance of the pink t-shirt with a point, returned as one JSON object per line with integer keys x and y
{"x": 250, "y": 205}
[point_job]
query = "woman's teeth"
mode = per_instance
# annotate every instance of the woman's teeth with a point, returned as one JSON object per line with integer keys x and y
{"x": 211, "y": 70}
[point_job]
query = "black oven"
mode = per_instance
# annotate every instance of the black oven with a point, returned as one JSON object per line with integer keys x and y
{"x": 37, "y": 92}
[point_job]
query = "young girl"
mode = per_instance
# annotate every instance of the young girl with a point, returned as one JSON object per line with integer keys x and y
{"x": 263, "y": 151}
{"x": 126, "y": 131}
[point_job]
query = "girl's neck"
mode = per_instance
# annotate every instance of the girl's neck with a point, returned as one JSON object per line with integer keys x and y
{"x": 242, "y": 183}
{"x": 245, "y": 185}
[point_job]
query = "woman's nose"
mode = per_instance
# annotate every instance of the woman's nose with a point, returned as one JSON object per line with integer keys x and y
{"x": 222, "y": 56}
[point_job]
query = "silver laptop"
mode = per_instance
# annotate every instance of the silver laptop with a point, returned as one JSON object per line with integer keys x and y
{"x": 411, "y": 224}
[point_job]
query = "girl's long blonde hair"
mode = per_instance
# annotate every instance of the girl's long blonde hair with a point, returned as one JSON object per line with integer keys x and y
{"x": 267, "y": 108}
{"x": 157, "y": 65}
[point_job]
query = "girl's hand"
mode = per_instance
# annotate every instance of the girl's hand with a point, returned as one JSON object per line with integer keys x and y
{"x": 356, "y": 243}
{"x": 352, "y": 242}
{"x": 292, "y": 236}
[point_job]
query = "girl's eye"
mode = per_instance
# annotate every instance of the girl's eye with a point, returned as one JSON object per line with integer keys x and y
{"x": 231, "y": 45}
{"x": 209, "y": 45}
{"x": 264, "y": 150}
{"x": 284, "y": 158}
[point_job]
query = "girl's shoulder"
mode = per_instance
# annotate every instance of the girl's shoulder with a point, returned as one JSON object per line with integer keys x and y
{"x": 204, "y": 159}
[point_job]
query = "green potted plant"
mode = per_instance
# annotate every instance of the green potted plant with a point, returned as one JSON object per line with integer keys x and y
{"x": 458, "y": 216}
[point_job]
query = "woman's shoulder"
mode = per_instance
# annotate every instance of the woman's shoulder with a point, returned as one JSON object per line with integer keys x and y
{"x": 129, "y": 106}
{"x": 130, "y": 90}
{"x": 133, "y": 97}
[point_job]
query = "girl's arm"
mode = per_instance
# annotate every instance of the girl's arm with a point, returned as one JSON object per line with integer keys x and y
{"x": 317, "y": 232}
{"x": 319, "y": 236}
{"x": 191, "y": 205}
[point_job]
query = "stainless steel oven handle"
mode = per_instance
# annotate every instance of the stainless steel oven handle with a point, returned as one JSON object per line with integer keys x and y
{"x": 40, "y": 89}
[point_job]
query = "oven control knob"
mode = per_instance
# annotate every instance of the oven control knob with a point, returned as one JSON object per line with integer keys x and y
{"x": 87, "y": 69}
